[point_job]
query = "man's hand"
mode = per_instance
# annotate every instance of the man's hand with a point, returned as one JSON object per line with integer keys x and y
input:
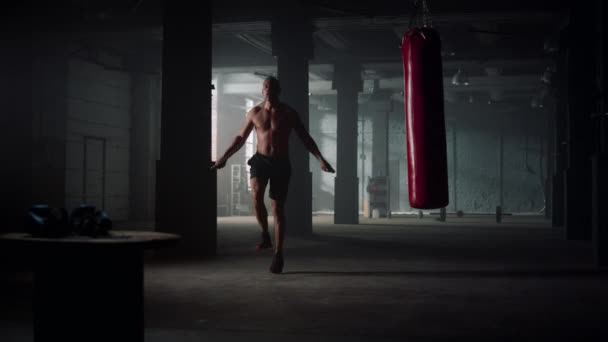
{"x": 326, "y": 167}
{"x": 218, "y": 164}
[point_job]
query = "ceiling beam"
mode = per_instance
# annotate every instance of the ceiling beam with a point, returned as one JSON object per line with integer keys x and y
{"x": 550, "y": 19}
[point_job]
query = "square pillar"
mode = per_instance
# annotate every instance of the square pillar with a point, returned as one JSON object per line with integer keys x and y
{"x": 186, "y": 188}
{"x": 599, "y": 161}
{"x": 292, "y": 46}
{"x": 581, "y": 104}
{"x": 16, "y": 120}
{"x": 348, "y": 83}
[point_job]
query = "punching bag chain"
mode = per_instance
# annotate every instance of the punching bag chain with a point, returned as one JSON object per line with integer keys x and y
{"x": 426, "y": 14}
{"x": 423, "y": 14}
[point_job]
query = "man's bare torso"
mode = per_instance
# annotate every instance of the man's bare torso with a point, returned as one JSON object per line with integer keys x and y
{"x": 272, "y": 126}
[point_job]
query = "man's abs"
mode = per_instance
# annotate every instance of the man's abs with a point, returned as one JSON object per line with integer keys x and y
{"x": 273, "y": 137}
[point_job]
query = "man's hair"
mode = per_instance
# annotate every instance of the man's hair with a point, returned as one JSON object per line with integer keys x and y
{"x": 274, "y": 82}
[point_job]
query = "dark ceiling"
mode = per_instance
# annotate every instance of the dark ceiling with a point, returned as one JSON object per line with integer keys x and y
{"x": 503, "y": 46}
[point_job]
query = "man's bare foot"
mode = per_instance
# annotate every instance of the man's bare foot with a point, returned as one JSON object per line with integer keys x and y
{"x": 266, "y": 242}
{"x": 277, "y": 263}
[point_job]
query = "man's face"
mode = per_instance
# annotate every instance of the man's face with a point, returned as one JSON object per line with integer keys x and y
{"x": 270, "y": 89}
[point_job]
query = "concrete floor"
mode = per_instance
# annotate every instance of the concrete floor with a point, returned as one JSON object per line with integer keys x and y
{"x": 403, "y": 279}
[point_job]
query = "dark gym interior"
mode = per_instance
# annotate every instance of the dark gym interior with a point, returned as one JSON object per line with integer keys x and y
{"x": 126, "y": 105}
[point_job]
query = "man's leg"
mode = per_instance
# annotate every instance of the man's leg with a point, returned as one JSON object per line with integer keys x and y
{"x": 258, "y": 188}
{"x": 279, "y": 183}
{"x": 278, "y": 210}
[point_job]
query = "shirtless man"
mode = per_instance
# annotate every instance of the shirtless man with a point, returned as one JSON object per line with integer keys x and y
{"x": 273, "y": 122}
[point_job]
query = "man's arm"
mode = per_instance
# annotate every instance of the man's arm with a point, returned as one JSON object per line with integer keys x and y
{"x": 309, "y": 142}
{"x": 238, "y": 141}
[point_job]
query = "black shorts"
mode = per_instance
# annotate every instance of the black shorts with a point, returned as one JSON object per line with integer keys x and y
{"x": 277, "y": 170}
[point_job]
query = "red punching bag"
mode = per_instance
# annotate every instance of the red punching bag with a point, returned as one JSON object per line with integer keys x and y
{"x": 424, "y": 119}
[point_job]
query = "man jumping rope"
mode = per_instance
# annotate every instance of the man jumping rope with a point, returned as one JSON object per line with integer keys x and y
{"x": 273, "y": 122}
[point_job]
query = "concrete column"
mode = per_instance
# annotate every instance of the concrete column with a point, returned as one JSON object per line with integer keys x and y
{"x": 599, "y": 163}
{"x": 186, "y": 188}
{"x": 348, "y": 83}
{"x": 581, "y": 75}
{"x": 558, "y": 136}
{"x": 292, "y": 46}
{"x": 16, "y": 119}
{"x": 145, "y": 95}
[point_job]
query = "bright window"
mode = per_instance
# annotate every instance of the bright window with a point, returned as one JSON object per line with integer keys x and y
{"x": 214, "y": 122}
